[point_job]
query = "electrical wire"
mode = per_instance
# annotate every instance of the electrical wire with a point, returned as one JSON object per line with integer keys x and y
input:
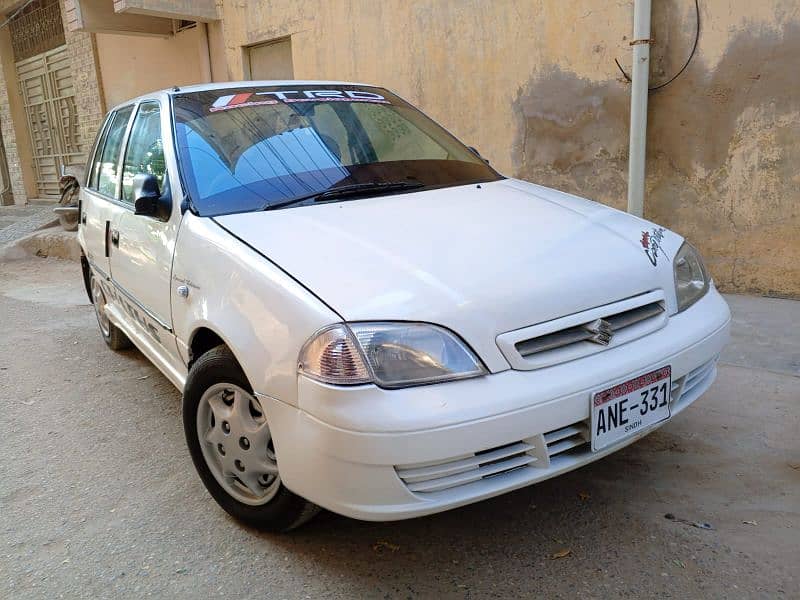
{"x": 688, "y": 60}
{"x": 14, "y": 14}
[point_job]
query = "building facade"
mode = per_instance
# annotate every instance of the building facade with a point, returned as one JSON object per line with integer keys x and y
{"x": 532, "y": 84}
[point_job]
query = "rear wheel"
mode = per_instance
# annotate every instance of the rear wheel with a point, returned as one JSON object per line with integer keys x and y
{"x": 231, "y": 446}
{"x": 112, "y": 335}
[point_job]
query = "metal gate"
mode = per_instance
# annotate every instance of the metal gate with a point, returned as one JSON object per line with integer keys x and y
{"x": 48, "y": 95}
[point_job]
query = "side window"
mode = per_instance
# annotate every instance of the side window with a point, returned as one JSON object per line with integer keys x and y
{"x": 145, "y": 153}
{"x": 108, "y": 177}
{"x": 94, "y": 166}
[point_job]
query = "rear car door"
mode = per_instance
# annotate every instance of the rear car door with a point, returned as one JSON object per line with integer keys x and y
{"x": 99, "y": 207}
{"x": 141, "y": 257}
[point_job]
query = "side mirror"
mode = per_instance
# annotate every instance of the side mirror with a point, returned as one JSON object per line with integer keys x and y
{"x": 146, "y": 195}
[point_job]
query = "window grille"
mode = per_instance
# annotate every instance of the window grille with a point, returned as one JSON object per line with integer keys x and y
{"x": 38, "y": 28}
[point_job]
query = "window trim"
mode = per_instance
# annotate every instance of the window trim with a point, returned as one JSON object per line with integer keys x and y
{"x": 97, "y": 146}
{"x": 123, "y": 143}
{"x": 127, "y": 140}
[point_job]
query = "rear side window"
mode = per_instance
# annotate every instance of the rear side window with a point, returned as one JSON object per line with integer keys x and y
{"x": 145, "y": 153}
{"x": 108, "y": 169}
{"x": 94, "y": 166}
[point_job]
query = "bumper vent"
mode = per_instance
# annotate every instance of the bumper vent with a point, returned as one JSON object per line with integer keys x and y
{"x": 685, "y": 389}
{"x": 467, "y": 469}
{"x": 585, "y": 333}
{"x": 566, "y": 438}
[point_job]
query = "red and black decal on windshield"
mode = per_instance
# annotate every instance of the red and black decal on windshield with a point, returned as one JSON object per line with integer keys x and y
{"x": 291, "y": 96}
{"x": 237, "y": 101}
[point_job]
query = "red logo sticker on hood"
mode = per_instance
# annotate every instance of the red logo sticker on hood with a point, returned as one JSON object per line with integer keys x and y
{"x": 651, "y": 243}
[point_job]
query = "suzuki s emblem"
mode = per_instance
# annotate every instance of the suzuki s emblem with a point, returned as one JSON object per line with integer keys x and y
{"x": 601, "y": 332}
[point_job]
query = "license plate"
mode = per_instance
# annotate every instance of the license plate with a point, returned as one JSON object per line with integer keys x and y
{"x": 630, "y": 407}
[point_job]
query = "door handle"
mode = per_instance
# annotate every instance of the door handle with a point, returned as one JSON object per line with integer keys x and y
{"x": 115, "y": 237}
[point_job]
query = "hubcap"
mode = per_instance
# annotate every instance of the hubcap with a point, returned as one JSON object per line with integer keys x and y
{"x": 100, "y": 307}
{"x": 237, "y": 444}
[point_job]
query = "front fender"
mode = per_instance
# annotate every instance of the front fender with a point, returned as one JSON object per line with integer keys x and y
{"x": 261, "y": 312}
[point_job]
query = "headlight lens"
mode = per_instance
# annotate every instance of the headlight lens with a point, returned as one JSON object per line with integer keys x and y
{"x": 691, "y": 279}
{"x": 391, "y": 355}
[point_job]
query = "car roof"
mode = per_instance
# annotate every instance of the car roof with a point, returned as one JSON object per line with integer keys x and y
{"x": 223, "y": 85}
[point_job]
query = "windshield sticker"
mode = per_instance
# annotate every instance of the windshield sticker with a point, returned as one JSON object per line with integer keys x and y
{"x": 237, "y": 101}
{"x": 289, "y": 96}
{"x": 651, "y": 243}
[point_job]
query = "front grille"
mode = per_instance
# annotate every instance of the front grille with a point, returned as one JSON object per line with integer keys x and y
{"x": 581, "y": 334}
{"x": 462, "y": 470}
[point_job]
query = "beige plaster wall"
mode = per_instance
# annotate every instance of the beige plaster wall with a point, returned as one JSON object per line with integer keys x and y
{"x": 132, "y": 65}
{"x": 533, "y": 85}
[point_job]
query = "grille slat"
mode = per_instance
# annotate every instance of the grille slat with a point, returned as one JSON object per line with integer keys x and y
{"x": 551, "y": 341}
{"x": 566, "y": 438}
{"x": 565, "y": 445}
{"x": 560, "y": 434}
{"x": 414, "y": 475}
{"x": 464, "y": 470}
{"x": 696, "y": 376}
{"x": 443, "y": 483}
{"x": 635, "y": 315}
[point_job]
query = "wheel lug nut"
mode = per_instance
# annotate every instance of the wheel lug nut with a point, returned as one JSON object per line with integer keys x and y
{"x": 239, "y": 465}
{"x": 244, "y": 443}
{"x": 226, "y": 427}
{"x": 221, "y": 449}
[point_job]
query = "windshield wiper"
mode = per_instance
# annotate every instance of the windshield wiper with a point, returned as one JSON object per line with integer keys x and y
{"x": 355, "y": 189}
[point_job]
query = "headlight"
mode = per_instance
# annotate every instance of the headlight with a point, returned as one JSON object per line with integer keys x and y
{"x": 691, "y": 279}
{"x": 391, "y": 355}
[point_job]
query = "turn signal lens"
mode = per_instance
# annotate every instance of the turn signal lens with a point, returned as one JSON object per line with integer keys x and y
{"x": 332, "y": 357}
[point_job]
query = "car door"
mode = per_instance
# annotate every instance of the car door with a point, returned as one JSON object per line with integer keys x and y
{"x": 99, "y": 207}
{"x": 141, "y": 257}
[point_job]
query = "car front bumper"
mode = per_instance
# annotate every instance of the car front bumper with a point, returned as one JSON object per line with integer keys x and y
{"x": 360, "y": 451}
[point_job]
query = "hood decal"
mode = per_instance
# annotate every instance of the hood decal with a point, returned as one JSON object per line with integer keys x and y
{"x": 651, "y": 243}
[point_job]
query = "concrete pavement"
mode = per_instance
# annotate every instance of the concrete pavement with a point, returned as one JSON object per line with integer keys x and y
{"x": 99, "y": 499}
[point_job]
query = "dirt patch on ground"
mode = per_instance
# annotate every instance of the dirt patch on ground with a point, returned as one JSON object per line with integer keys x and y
{"x": 99, "y": 498}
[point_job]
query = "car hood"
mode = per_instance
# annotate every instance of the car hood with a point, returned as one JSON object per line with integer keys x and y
{"x": 479, "y": 259}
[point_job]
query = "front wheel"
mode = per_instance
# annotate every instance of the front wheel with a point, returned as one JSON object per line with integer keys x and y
{"x": 231, "y": 446}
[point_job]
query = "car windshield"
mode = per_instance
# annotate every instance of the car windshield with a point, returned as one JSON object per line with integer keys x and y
{"x": 254, "y": 148}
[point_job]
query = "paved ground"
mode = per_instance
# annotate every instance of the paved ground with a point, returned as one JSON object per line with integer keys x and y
{"x": 98, "y": 497}
{"x": 18, "y": 221}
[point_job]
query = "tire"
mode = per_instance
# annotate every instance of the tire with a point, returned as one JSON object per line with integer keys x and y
{"x": 112, "y": 335}
{"x": 212, "y": 376}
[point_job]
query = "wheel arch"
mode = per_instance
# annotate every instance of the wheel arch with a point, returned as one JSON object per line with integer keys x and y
{"x": 205, "y": 338}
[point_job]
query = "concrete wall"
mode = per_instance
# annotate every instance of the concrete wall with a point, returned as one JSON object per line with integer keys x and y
{"x": 134, "y": 65}
{"x": 13, "y": 125}
{"x": 533, "y": 85}
{"x": 89, "y": 97}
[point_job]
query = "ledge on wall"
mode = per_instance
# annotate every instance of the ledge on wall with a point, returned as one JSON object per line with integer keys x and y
{"x": 135, "y": 17}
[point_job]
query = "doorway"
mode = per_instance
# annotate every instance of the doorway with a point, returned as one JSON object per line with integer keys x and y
{"x": 271, "y": 60}
{"x": 44, "y": 73}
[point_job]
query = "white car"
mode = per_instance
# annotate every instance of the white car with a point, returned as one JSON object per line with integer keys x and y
{"x": 364, "y": 316}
